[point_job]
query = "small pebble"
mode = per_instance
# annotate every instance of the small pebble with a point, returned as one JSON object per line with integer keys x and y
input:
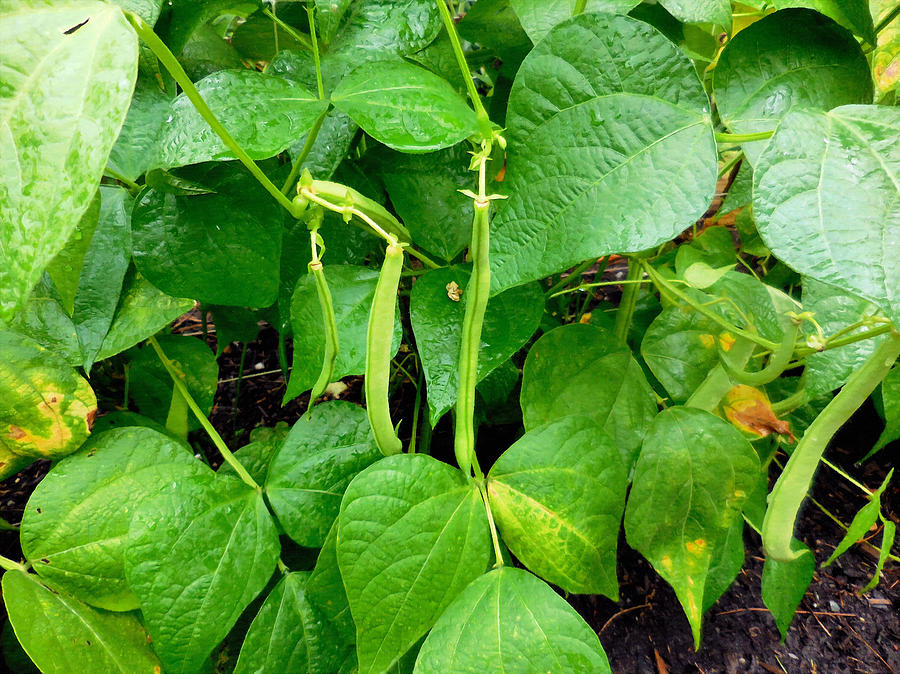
{"x": 258, "y": 366}
{"x": 834, "y": 605}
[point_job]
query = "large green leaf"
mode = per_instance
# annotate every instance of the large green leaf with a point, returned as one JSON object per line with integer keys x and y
{"x": 424, "y": 190}
{"x": 412, "y": 533}
{"x": 312, "y": 468}
{"x": 290, "y": 635}
{"x": 784, "y": 584}
{"x": 143, "y": 310}
{"x": 825, "y": 199}
{"x": 46, "y": 407}
{"x": 852, "y": 14}
{"x": 190, "y": 601}
{"x": 136, "y": 147}
{"x": 794, "y": 58}
{"x": 638, "y": 161}
{"x": 328, "y": 17}
{"x": 510, "y": 621}
{"x": 886, "y": 58}
{"x": 581, "y": 369}
{"x": 220, "y": 248}
{"x": 68, "y": 72}
{"x": 693, "y": 475}
{"x": 700, "y": 11}
{"x": 265, "y": 114}
{"x": 44, "y": 319}
{"x": 65, "y": 268}
{"x": 404, "y": 106}
{"x": 558, "y": 495}
{"x": 63, "y": 635}
{"x": 352, "y": 289}
{"x": 890, "y": 401}
{"x": 325, "y": 589}
{"x": 75, "y": 525}
{"x": 539, "y": 16}
{"x": 511, "y": 319}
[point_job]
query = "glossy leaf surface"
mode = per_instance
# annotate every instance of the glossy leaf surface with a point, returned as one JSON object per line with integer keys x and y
{"x": 539, "y": 16}
{"x": 137, "y": 145}
{"x": 693, "y": 475}
{"x": 62, "y": 635}
{"x": 405, "y": 107}
{"x": 611, "y": 148}
{"x": 825, "y": 199}
{"x": 700, "y": 11}
{"x": 63, "y": 97}
{"x": 794, "y": 58}
{"x": 511, "y": 318}
{"x": 580, "y": 369}
{"x": 558, "y": 495}
{"x": 852, "y": 14}
{"x": 412, "y": 533}
{"x": 75, "y": 525}
{"x": 190, "y": 601}
{"x": 312, "y": 468}
{"x": 508, "y": 620}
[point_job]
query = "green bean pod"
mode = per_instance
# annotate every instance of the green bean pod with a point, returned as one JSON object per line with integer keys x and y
{"x": 331, "y": 334}
{"x": 793, "y": 484}
{"x": 341, "y": 194}
{"x": 378, "y": 352}
{"x": 778, "y": 361}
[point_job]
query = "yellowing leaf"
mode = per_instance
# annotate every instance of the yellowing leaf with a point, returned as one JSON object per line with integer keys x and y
{"x": 749, "y": 409}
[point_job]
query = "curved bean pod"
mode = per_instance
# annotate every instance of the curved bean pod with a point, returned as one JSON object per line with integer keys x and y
{"x": 773, "y": 369}
{"x": 331, "y": 334}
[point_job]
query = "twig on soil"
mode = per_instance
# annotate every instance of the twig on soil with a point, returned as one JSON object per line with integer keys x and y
{"x": 621, "y": 613}
{"x": 876, "y": 653}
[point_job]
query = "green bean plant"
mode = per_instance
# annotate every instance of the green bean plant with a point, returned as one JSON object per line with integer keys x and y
{"x": 428, "y": 193}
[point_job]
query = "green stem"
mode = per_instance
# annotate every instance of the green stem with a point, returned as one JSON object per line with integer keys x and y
{"x": 865, "y": 490}
{"x": 598, "y": 284}
{"x": 178, "y": 380}
{"x": 666, "y": 287}
{"x": 310, "y": 16}
{"x": 579, "y": 7}
{"x": 722, "y": 137}
{"x": 790, "y": 403}
{"x": 868, "y": 334}
{"x": 630, "y": 292}
{"x": 495, "y": 539}
{"x": 168, "y": 59}
{"x": 282, "y": 355}
{"x": 573, "y": 275}
{"x": 289, "y": 29}
{"x": 885, "y": 22}
{"x": 417, "y": 410}
{"x": 793, "y": 483}
{"x": 10, "y": 565}
{"x": 477, "y": 292}
{"x": 304, "y": 153}
{"x": 484, "y": 122}
{"x": 132, "y": 186}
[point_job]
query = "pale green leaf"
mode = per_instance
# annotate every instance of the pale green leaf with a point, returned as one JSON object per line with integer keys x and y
{"x": 784, "y": 584}
{"x": 539, "y": 16}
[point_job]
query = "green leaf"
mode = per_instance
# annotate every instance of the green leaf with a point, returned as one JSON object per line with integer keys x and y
{"x": 887, "y": 542}
{"x": 580, "y": 369}
{"x": 63, "y": 97}
{"x": 890, "y": 400}
{"x": 558, "y": 494}
{"x": 325, "y": 589}
{"x": 151, "y": 385}
{"x": 142, "y": 312}
{"x": 63, "y": 635}
{"x": 638, "y": 164}
{"x": 65, "y": 268}
{"x": 265, "y": 114}
{"x": 795, "y": 58}
{"x": 352, "y": 289}
{"x": 44, "y": 320}
{"x": 784, "y": 584}
{"x": 834, "y": 310}
{"x": 218, "y": 248}
{"x": 700, "y": 11}
{"x": 851, "y": 14}
{"x": 824, "y": 197}
{"x": 714, "y": 247}
{"x": 886, "y": 58}
{"x": 290, "y": 635}
{"x": 75, "y": 524}
{"x": 693, "y": 475}
{"x": 412, "y": 533}
{"x": 190, "y": 601}
{"x": 103, "y": 272}
{"x": 328, "y": 17}
{"x": 45, "y": 406}
{"x": 726, "y": 563}
{"x": 510, "y": 621}
{"x": 511, "y": 318}
{"x": 136, "y": 147}
{"x": 424, "y": 190}
{"x": 539, "y": 16}
{"x": 234, "y": 325}
{"x": 405, "y": 107}
{"x": 311, "y": 470}
{"x": 862, "y": 522}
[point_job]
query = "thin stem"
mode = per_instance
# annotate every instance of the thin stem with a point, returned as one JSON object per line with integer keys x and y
{"x": 629, "y": 300}
{"x": 310, "y": 15}
{"x": 10, "y": 565}
{"x": 417, "y": 411}
{"x": 289, "y": 29}
{"x": 868, "y": 334}
{"x": 598, "y": 284}
{"x": 730, "y": 163}
{"x": 304, "y": 153}
{"x": 178, "y": 380}
{"x": 885, "y": 22}
{"x": 574, "y": 274}
{"x": 168, "y": 59}
{"x": 837, "y": 521}
{"x": 579, "y": 7}
{"x": 495, "y": 539}
{"x": 865, "y": 490}
{"x": 282, "y": 355}
{"x": 722, "y": 137}
{"x": 132, "y": 186}
{"x": 343, "y": 210}
{"x": 484, "y": 122}
{"x": 423, "y": 258}
{"x": 790, "y": 403}
{"x": 669, "y": 288}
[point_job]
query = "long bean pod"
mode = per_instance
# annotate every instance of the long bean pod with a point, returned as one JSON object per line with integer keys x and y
{"x": 790, "y": 490}
{"x": 378, "y": 351}
{"x": 778, "y": 361}
{"x": 331, "y": 334}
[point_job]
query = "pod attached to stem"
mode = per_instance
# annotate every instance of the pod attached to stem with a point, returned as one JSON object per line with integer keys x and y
{"x": 328, "y": 320}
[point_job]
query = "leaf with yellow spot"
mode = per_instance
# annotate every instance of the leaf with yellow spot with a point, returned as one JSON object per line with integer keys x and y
{"x": 749, "y": 409}
{"x": 46, "y": 407}
{"x": 886, "y": 57}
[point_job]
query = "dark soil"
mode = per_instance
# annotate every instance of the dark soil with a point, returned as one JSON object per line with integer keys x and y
{"x": 835, "y": 630}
